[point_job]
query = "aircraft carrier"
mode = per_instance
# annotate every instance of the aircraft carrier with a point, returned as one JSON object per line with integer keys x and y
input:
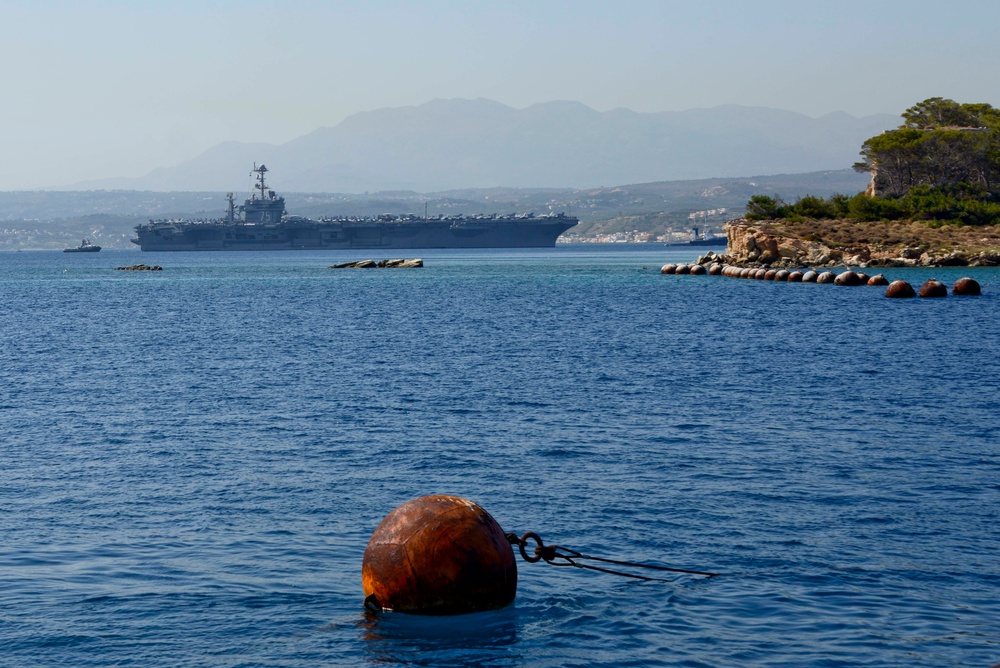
{"x": 261, "y": 223}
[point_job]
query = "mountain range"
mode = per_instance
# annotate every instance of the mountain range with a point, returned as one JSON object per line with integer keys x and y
{"x": 453, "y": 144}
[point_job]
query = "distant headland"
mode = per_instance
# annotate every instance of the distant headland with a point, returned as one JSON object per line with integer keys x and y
{"x": 933, "y": 200}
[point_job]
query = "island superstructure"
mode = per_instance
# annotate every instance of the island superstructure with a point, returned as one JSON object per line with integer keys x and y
{"x": 262, "y": 223}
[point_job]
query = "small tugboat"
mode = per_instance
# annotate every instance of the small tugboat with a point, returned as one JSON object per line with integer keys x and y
{"x": 84, "y": 247}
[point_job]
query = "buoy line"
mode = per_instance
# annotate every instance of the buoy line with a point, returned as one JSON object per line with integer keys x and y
{"x": 932, "y": 288}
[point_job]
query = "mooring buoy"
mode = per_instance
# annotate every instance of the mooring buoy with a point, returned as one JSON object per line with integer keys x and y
{"x": 966, "y": 286}
{"x": 900, "y": 290}
{"x": 438, "y": 555}
{"x": 878, "y": 279}
{"x": 847, "y": 278}
{"x": 933, "y": 288}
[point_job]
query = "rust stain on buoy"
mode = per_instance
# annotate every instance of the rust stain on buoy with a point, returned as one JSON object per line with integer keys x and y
{"x": 809, "y": 277}
{"x": 933, "y": 288}
{"x": 668, "y": 268}
{"x": 966, "y": 286}
{"x": 439, "y": 555}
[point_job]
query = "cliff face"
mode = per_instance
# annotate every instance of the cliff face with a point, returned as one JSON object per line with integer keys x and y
{"x": 770, "y": 243}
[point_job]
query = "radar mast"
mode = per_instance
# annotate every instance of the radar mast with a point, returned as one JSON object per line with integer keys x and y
{"x": 260, "y": 185}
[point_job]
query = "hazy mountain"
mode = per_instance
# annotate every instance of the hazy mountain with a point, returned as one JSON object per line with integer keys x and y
{"x": 450, "y": 144}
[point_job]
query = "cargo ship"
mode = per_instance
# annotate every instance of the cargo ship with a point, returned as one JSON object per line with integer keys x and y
{"x": 262, "y": 223}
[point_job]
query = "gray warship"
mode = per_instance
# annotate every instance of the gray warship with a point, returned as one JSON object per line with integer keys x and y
{"x": 262, "y": 223}
{"x": 705, "y": 239}
{"x": 84, "y": 247}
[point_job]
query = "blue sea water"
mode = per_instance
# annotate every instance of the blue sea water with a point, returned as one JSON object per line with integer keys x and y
{"x": 193, "y": 460}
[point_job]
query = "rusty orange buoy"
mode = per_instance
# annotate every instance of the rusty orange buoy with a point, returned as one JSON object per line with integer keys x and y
{"x": 668, "y": 268}
{"x": 900, "y": 290}
{"x": 439, "y": 555}
{"x": 933, "y": 288}
{"x": 878, "y": 279}
{"x": 847, "y": 278}
{"x": 966, "y": 286}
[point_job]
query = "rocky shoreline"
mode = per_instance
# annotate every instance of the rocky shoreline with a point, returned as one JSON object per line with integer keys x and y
{"x": 779, "y": 244}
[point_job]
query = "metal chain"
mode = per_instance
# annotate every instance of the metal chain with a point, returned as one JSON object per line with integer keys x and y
{"x": 561, "y": 556}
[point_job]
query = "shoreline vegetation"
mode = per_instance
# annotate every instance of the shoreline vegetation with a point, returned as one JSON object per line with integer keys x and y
{"x": 933, "y": 200}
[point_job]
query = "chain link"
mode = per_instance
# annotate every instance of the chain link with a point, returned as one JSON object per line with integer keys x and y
{"x": 561, "y": 556}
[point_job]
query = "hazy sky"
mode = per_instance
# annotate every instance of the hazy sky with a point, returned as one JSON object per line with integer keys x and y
{"x": 101, "y": 89}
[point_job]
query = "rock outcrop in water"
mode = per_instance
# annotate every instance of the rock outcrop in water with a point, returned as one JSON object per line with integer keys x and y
{"x": 411, "y": 263}
{"x": 140, "y": 267}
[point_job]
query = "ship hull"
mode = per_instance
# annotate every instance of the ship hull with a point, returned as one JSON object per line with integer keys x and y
{"x": 319, "y": 235}
{"x": 714, "y": 241}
